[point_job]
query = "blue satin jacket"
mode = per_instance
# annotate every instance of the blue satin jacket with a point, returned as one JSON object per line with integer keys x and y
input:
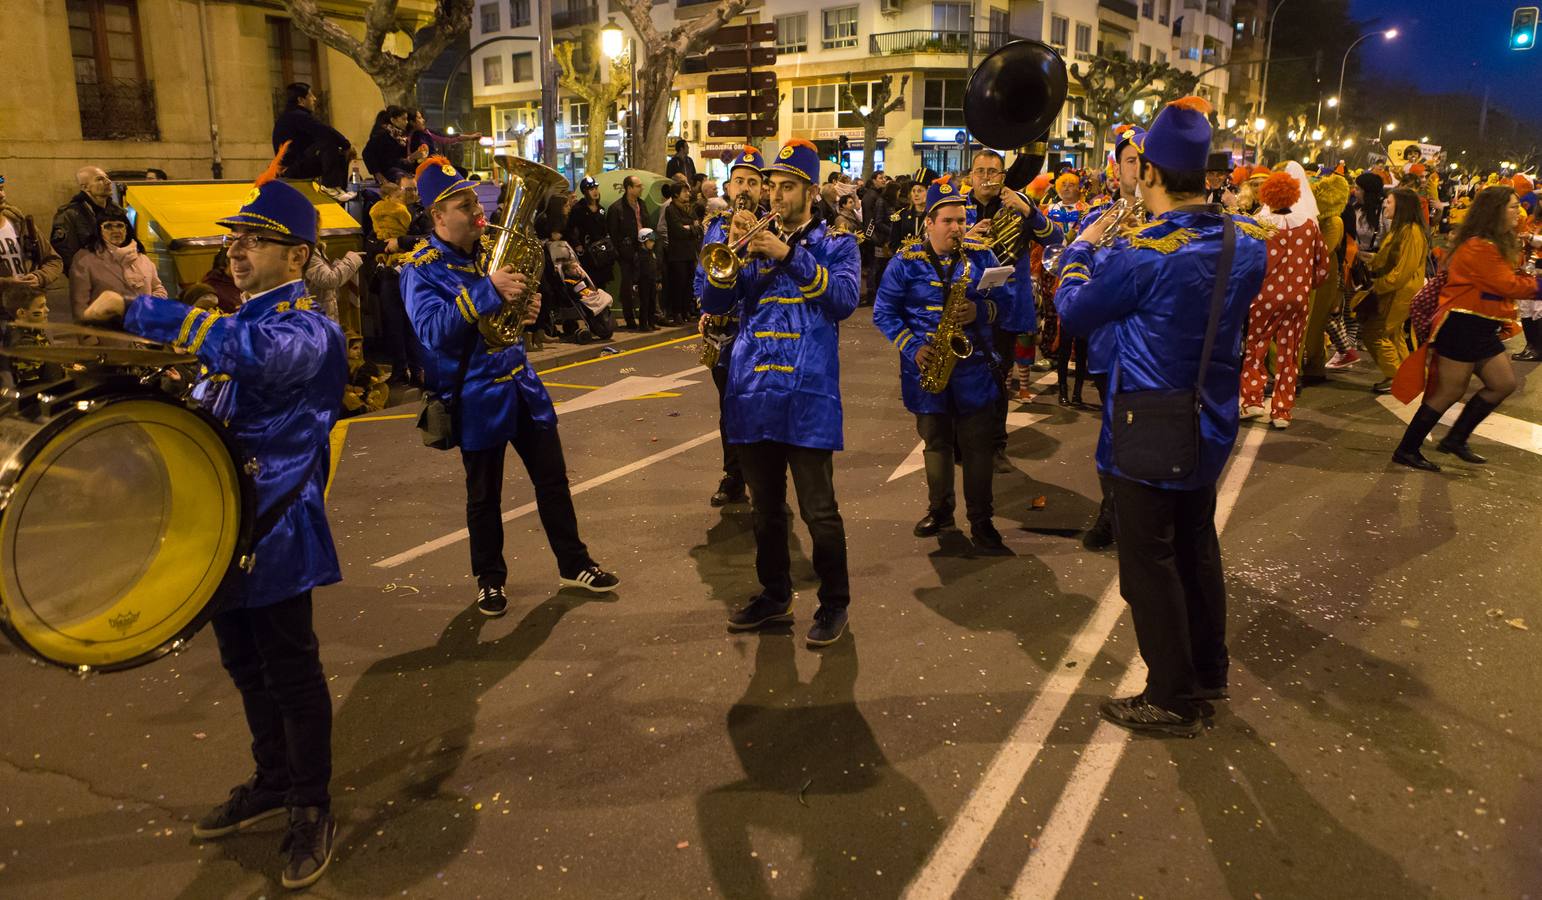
{"x": 277, "y": 370}
{"x": 909, "y": 307}
{"x": 1022, "y": 317}
{"x": 1152, "y": 291}
{"x": 445, "y": 292}
{"x": 1100, "y": 344}
{"x": 784, "y": 382}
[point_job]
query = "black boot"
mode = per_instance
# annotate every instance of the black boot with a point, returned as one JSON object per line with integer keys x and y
{"x": 1064, "y": 390}
{"x": 1455, "y": 441}
{"x": 1532, "y": 328}
{"x": 1407, "y": 452}
{"x": 1076, "y": 393}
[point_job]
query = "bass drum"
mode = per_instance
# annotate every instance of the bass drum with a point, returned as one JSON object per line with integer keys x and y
{"x": 122, "y": 511}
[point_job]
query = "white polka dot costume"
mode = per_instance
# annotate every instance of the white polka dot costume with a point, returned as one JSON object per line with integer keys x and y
{"x": 1298, "y": 262}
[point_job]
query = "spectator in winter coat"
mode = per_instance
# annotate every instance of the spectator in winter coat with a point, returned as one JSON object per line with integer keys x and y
{"x": 326, "y": 277}
{"x": 625, "y": 219}
{"x": 115, "y": 262}
{"x": 316, "y": 149}
{"x": 26, "y": 255}
{"x": 75, "y": 223}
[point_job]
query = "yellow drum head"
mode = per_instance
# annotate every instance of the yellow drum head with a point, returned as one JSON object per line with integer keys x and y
{"x": 118, "y": 531}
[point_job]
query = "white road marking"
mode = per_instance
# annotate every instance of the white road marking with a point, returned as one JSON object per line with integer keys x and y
{"x": 628, "y": 388}
{"x": 456, "y": 537}
{"x": 960, "y": 844}
{"x": 1068, "y": 822}
{"x": 1499, "y": 427}
{"x": 915, "y": 462}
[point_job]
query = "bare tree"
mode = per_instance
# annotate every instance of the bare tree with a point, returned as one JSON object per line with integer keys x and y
{"x": 879, "y": 107}
{"x": 662, "y": 54}
{"x": 396, "y": 76}
{"x": 582, "y": 72}
{"x": 1113, "y": 83}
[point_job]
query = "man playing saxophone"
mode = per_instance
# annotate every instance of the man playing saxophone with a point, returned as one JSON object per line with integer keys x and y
{"x": 498, "y": 399}
{"x": 919, "y": 303}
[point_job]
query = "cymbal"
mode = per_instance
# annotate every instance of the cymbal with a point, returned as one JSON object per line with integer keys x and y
{"x": 85, "y": 331}
{"x": 131, "y": 357}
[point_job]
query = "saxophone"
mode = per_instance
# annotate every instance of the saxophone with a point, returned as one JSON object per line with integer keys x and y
{"x": 527, "y": 185}
{"x": 949, "y": 344}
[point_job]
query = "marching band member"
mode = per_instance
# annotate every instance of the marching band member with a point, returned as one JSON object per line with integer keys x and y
{"x": 744, "y": 189}
{"x": 988, "y": 196}
{"x": 498, "y": 398}
{"x": 782, "y": 404}
{"x": 909, "y": 309}
{"x": 277, "y": 371}
{"x": 909, "y": 223}
{"x": 1153, "y": 289}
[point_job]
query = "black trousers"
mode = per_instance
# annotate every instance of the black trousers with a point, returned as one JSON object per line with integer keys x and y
{"x": 973, "y": 436}
{"x": 681, "y": 302}
{"x": 324, "y": 162}
{"x": 731, "y": 467}
{"x": 1170, "y": 574}
{"x": 1006, "y": 345}
{"x": 766, "y": 464}
{"x": 401, "y": 343}
{"x": 1105, "y": 482}
{"x": 627, "y": 287}
{"x": 272, "y": 656}
{"x": 541, "y": 451}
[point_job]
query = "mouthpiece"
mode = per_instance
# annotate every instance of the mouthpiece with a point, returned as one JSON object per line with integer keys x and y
{"x": 481, "y": 221}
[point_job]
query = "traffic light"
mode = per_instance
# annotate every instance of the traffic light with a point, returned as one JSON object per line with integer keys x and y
{"x": 1523, "y": 28}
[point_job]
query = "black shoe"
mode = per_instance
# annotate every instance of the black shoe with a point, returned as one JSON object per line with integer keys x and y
{"x": 1076, "y": 397}
{"x": 1003, "y": 465}
{"x": 729, "y": 490}
{"x": 1100, "y": 537}
{"x": 933, "y": 524}
{"x": 1064, "y": 397}
{"x": 1136, "y": 714}
{"x": 308, "y": 844}
{"x": 1383, "y": 386}
{"x": 1530, "y": 354}
{"x": 1461, "y": 451}
{"x": 760, "y": 612}
{"x": 1413, "y": 459}
{"x": 491, "y": 602}
{"x": 593, "y": 579}
{"x": 246, "y": 806}
{"x": 987, "y": 539}
{"x": 829, "y": 625}
{"x": 1203, "y": 694}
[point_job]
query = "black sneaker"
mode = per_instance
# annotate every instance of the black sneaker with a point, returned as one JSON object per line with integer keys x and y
{"x": 1101, "y": 535}
{"x": 308, "y": 846}
{"x": 760, "y": 612}
{"x": 1208, "y": 693}
{"x": 246, "y": 806}
{"x": 491, "y": 602}
{"x": 829, "y": 625}
{"x": 1003, "y": 466}
{"x": 987, "y": 539}
{"x": 932, "y": 524}
{"x": 1136, "y": 714}
{"x": 593, "y": 579}
{"x": 729, "y": 490}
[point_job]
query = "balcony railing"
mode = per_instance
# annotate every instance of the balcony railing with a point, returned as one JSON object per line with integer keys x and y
{"x": 1124, "y": 8}
{"x": 574, "y": 16}
{"x": 888, "y": 43}
{"x": 117, "y": 110}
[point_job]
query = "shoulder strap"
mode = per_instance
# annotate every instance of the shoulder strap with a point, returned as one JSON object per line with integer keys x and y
{"x": 1218, "y": 296}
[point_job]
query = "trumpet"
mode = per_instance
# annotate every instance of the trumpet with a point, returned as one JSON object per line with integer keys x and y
{"x": 721, "y": 261}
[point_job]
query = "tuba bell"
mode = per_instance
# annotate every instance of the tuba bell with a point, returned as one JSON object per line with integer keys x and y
{"x": 527, "y": 185}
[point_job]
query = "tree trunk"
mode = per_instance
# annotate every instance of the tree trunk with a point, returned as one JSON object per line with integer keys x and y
{"x": 594, "y": 142}
{"x": 398, "y": 93}
{"x": 869, "y": 146}
{"x": 654, "y": 97}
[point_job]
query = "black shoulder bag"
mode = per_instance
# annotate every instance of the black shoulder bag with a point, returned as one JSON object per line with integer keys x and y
{"x": 1155, "y": 434}
{"x": 438, "y": 421}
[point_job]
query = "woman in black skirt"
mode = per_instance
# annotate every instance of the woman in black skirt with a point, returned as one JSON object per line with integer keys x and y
{"x": 1476, "y": 312}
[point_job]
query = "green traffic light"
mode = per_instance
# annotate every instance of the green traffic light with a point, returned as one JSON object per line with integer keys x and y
{"x": 1522, "y": 40}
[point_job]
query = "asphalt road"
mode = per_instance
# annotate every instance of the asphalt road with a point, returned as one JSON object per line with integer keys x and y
{"x": 1381, "y": 741}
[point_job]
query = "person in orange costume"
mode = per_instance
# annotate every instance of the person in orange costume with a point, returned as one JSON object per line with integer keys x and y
{"x": 1476, "y": 313}
{"x": 1298, "y": 263}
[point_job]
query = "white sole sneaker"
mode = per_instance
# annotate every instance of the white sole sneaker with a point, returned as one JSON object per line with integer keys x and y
{"x": 582, "y": 581}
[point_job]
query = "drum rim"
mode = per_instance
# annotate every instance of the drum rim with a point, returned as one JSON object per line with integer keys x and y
{"x": 246, "y": 518}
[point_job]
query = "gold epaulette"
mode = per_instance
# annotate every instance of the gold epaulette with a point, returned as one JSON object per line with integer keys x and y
{"x": 422, "y": 254}
{"x": 894, "y": 217}
{"x": 713, "y": 217}
{"x": 910, "y": 248}
{"x": 1253, "y": 228}
{"x": 1142, "y": 238}
{"x": 974, "y": 246}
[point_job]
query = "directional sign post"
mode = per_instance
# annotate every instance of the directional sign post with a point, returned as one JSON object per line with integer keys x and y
{"x": 740, "y": 50}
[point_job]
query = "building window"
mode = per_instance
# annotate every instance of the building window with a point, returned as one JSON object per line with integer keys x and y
{"x": 944, "y": 103}
{"x": 524, "y": 68}
{"x": 1000, "y": 22}
{"x": 116, "y": 100}
{"x": 578, "y": 119}
{"x": 1161, "y": 57}
{"x": 519, "y": 13}
{"x": 840, "y": 27}
{"x": 1145, "y": 53}
{"x": 1058, "y": 25}
{"x": 492, "y": 71}
{"x": 822, "y": 107}
{"x": 293, "y": 56}
{"x": 1083, "y": 38}
{"x": 1166, "y": 14}
{"x": 950, "y": 17}
{"x": 792, "y": 33}
{"x": 489, "y": 17}
{"x": 1147, "y": 8}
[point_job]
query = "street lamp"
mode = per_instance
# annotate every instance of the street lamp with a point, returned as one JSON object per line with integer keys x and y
{"x": 612, "y": 39}
{"x": 1316, "y": 134}
{"x": 1425, "y": 139}
{"x": 1231, "y": 122}
{"x": 1332, "y": 102}
{"x": 613, "y": 42}
{"x": 1389, "y": 34}
{"x": 1260, "y": 123}
{"x": 1348, "y": 142}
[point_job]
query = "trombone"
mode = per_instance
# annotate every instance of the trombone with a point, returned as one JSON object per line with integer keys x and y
{"x": 721, "y": 261}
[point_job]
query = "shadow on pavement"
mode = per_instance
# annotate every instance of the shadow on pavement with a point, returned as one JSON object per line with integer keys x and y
{"x": 813, "y": 772}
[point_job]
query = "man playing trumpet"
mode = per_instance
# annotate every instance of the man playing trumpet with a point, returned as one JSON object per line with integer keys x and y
{"x": 912, "y": 301}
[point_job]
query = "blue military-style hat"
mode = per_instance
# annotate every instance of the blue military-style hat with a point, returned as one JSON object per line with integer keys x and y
{"x": 942, "y": 192}
{"x": 1124, "y": 134}
{"x": 749, "y": 158}
{"x": 276, "y": 206}
{"x": 1179, "y": 139}
{"x": 797, "y": 157}
{"x": 438, "y": 179}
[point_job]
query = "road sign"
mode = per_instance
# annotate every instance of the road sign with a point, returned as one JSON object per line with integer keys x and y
{"x": 742, "y": 81}
{"x": 741, "y": 128}
{"x": 758, "y": 103}
{"x": 744, "y": 34}
{"x": 740, "y": 58}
